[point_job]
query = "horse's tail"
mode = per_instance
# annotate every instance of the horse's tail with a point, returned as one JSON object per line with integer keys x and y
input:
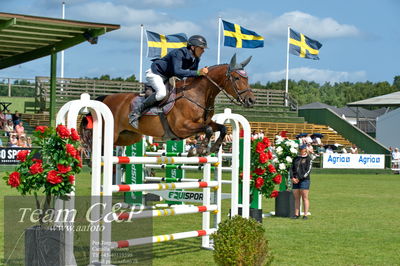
{"x": 86, "y": 130}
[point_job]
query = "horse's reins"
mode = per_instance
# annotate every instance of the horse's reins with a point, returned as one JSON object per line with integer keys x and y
{"x": 233, "y": 100}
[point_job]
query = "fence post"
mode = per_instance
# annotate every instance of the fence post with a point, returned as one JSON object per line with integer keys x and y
{"x": 9, "y": 87}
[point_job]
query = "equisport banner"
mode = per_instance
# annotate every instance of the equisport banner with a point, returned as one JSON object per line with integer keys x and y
{"x": 354, "y": 161}
{"x": 8, "y": 155}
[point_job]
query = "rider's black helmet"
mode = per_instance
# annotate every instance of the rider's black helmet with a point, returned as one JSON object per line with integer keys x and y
{"x": 197, "y": 40}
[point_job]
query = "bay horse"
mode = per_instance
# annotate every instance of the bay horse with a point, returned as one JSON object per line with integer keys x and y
{"x": 192, "y": 111}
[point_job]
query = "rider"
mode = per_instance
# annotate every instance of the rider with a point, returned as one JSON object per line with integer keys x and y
{"x": 182, "y": 62}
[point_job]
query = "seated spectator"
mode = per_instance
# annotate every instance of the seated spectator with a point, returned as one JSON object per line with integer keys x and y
{"x": 321, "y": 149}
{"x": 2, "y": 120}
{"x": 254, "y": 135}
{"x": 8, "y": 116}
{"x": 308, "y": 139}
{"x": 22, "y": 141}
{"x": 13, "y": 140}
{"x": 19, "y": 128}
{"x": 29, "y": 142}
{"x": 9, "y": 127}
{"x": 354, "y": 149}
{"x": 344, "y": 150}
{"x": 329, "y": 149}
{"x": 310, "y": 150}
{"x": 16, "y": 117}
{"x": 261, "y": 134}
{"x": 228, "y": 138}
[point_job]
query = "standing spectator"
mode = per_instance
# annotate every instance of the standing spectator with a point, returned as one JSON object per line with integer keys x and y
{"x": 354, "y": 149}
{"x": 1, "y": 143}
{"x": 2, "y": 120}
{"x": 301, "y": 169}
{"x": 395, "y": 158}
{"x": 9, "y": 127}
{"x": 16, "y": 117}
{"x": 19, "y": 128}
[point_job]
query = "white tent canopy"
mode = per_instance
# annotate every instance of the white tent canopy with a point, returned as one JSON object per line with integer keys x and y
{"x": 391, "y": 99}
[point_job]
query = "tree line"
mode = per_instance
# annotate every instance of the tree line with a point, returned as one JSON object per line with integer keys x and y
{"x": 337, "y": 94}
{"x": 305, "y": 92}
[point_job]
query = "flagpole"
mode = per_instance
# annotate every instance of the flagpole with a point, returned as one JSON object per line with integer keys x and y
{"x": 287, "y": 68}
{"x": 141, "y": 54}
{"x": 219, "y": 40}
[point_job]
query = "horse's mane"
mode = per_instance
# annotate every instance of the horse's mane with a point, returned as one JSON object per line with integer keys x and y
{"x": 190, "y": 79}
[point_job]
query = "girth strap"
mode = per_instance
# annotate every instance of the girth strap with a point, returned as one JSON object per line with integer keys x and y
{"x": 169, "y": 134}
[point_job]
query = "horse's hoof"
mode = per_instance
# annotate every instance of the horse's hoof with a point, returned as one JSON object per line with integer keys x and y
{"x": 192, "y": 152}
{"x": 203, "y": 152}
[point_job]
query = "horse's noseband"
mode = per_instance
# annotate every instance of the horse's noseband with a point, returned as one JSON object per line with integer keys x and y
{"x": 238, "y": 92}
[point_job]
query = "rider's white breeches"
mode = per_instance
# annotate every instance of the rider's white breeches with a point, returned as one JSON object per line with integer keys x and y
{"x": 157, "y": 82}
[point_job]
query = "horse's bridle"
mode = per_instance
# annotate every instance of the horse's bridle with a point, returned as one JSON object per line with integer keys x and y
{"x": 235, "y": 88}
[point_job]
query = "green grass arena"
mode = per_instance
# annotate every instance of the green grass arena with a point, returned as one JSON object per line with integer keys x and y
{"x": 355, "y": 221}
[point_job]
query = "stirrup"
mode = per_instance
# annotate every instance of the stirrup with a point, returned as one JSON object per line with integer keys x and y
{"x": 133, "y": 119}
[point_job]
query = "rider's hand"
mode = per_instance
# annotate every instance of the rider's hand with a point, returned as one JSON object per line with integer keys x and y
{"x": 203, "y": 71}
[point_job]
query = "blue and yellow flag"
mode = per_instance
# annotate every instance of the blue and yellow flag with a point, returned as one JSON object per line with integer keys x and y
{"x": 159, "y": 45}
{"x": 239, "y": 37}
{"x": 303, "y": 46}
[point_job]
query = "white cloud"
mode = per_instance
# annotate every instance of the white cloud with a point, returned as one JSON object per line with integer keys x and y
{"x": 130, "y": 19}
{"x": 165, "y": 3}
{"x": 312, "y": 74}
{"x": 311, "y": 26}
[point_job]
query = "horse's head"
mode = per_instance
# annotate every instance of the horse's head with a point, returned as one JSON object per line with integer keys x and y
{"x": 238, "y": 83}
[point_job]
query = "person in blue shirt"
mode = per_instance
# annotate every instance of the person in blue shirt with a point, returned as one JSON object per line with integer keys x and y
{"x": 181, "y": 63}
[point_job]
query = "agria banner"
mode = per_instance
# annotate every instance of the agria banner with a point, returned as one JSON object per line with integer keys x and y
{"x": 355, "y": 161}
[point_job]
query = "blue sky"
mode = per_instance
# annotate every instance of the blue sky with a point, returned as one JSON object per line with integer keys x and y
{"x": 360, "y": 38}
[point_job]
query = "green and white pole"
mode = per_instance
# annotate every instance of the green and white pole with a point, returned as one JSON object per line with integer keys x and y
{"x": 175, "y": 147}
{"x": 134, "y": 173}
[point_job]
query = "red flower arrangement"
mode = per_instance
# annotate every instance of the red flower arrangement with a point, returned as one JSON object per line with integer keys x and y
{"x": 263, "y": 173}
{"x": 51, "y": 167}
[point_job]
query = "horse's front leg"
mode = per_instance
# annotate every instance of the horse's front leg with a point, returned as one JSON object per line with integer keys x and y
{"x": 222, "y": 133}
{"x": 202, "y": 149}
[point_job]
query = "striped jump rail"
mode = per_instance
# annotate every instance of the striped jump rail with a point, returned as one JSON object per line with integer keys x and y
{"x": 161, "y": 238}
{"x": 171, "y": 154}
{"x": 163, "y": 186}
{"x": 184, "y": 167}
{"x": 166, "y": 212}
{"x": 172, "y": 179}
{"x": 163, "y": 160}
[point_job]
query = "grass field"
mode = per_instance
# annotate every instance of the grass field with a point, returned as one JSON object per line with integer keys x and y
{"x": 355, "y": 221}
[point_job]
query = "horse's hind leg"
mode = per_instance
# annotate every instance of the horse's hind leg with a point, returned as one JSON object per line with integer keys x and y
{"x": 126, "y": 138}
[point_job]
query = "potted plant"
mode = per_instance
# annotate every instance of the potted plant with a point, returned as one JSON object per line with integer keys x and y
{"x": 263, "y": 174}
{"x": 47, "y": 171}
{"x": 285, "y": 151}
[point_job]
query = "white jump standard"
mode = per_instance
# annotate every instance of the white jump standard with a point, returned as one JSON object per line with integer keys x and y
{"x": 103, "y": 188}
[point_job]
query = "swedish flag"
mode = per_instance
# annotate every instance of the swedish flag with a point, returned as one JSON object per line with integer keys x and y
{"x": 239, "y": 37}
{"x": 303, "y": 46}
{"x": 159, "y": 45}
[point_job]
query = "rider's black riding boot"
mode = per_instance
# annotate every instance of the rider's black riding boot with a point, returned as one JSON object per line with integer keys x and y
{"x": 138, "y": 110}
